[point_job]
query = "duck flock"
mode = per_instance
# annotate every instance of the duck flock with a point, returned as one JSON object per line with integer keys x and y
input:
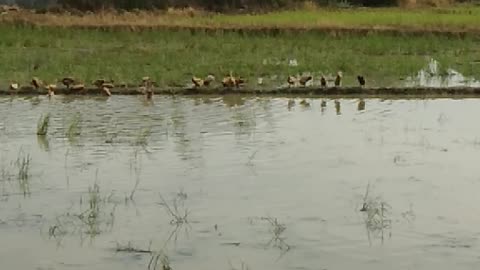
{"x": 146, "y": 85}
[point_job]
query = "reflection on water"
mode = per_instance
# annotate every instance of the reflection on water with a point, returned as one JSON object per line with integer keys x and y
{"x": 432, "y": 76}
{"x": 209, "y": 182}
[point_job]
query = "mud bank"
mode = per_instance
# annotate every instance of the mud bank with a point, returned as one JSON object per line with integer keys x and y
{"x": 303, "y": 91}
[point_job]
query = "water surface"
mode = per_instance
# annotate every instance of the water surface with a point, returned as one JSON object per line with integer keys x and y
{"x": 232, "y": 162}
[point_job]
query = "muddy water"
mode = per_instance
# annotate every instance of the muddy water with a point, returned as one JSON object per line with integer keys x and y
{"x": 231, "y": 163}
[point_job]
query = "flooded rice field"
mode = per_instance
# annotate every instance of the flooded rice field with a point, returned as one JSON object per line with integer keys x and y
{"x": 239, "y": 183}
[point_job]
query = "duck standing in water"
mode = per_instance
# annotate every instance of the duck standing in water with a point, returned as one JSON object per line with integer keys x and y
{"x": 361, "y": 80}
{"x": 338, "y": 79}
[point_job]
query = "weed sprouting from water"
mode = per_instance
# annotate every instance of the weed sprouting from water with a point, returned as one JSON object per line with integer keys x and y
{"x": 159, "y": 257}
{"x": 42, "y": 125}
{"x": 179, "y": 215}
{"x": 377, "y": 214}
{"x": 23, "y": 176}
{"x": 177, "y": 210}
{"x": 277, "y": 229}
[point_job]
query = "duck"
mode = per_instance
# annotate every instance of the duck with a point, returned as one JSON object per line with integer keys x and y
{"x": 77, "y": 87}
{"x": 106, "y": 91}
{"x": 51, "y": 90}
{"x": 228, "y": 81}
{"x": 239, "y": 81}
{"x": 146, "y": 80}
{"x": 361, "y": 80}
{"x": 68, "y": 81}
{"x": 338, "y": 79}
{"x": 323, "y": 81}
{"x": 36, "y": 82}
{"x": 14, "y": 86}
{"x": 102, "y": 82}
{"x": 198, "y": 82}
{"x": 292, "y": 81}
{"x": 304, "y": 80}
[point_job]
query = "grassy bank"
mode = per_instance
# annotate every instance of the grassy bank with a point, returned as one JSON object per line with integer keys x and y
{"x": 172, "y": 57}
{"x": 453, "y": 19}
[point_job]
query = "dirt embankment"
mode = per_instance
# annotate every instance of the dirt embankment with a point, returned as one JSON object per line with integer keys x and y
{"x": 300, "y": 91}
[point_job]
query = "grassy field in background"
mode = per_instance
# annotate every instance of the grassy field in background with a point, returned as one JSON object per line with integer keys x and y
{"x": 463, "y": 18}
{"x": 172, "y": 57}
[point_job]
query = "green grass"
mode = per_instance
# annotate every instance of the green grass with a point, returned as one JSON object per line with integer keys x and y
{"x": 458, "y": 18}
{"x": 172, "y": 57}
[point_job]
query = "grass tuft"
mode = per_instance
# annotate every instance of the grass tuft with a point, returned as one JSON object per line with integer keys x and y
{"x": 42, "y": 125}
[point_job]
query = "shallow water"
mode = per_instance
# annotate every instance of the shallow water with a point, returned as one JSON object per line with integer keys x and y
{"x": 232, "y": 162}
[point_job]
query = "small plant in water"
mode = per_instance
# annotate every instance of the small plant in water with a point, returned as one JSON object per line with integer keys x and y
{"x": 377, "y": 214}
{"x": 277, "y": 229}
{"x": 159, "y": 257}
{"x": 177, "y": 210}
{"x": 42, "y": 125}
{"x": 23, "y": 165}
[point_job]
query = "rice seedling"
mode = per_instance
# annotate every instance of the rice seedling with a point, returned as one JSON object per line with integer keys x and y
{"x": 159, "y": 257}
{"x": 42, "y": 125}
{"x": 23, "y": 165}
